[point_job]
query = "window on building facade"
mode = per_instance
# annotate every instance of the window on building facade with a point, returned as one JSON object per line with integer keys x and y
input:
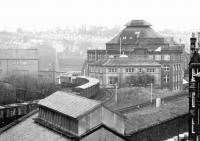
{"x": 129, "y": 69}
{"x": 157, "y": 57}
{"x": 193, "y": 125}
{"x": 112, "y": 69}
{"x": 166, "y": 67}
{"x": 198, "y": 117}
{"x": 151, "y": 57}
{"x": 113, "y": 80}
{"x": 150, "y": 69}
{"x": 166, "y": 78}
{"x": 130, "y": 37}
{"x": 124, "y": 37}
{"x": 193, "y": 99}
{"x": 140, "y": 69}
{"x": 198, "y": 90}
{"x": 166, "y": 57}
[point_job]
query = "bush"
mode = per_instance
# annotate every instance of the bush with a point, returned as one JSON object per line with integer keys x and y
{"x": 139, "y": 80}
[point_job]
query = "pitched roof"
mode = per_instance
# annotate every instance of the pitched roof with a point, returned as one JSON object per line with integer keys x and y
{"x": 139, "y": 61}
{"x": 69, "y": 104}
{"x": 28, "y": 130}
{"x": 151, "y": 116}
{"x": 132, "y": 29}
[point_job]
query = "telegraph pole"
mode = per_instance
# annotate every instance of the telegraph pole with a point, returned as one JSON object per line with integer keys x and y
{"x": 151, "y": 93}
{"x": 116, "y": 92}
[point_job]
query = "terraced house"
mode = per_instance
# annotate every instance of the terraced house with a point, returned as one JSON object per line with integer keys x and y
{"x": 137, "y": 49}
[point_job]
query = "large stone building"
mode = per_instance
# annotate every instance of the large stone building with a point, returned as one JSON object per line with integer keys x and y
{"x": 139, "y": 40}
{"x": 19, "y": 61}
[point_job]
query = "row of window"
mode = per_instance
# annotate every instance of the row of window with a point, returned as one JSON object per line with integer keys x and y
{"x": 177, "y": 67}
{"x": 131, "y": 69}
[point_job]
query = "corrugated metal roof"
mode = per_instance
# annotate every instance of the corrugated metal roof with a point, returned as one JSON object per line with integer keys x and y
{"x": 69, "y": 104}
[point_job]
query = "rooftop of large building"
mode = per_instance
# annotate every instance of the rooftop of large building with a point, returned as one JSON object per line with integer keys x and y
{"x": 127, "y": 61}
{"x": 135, "y": 30}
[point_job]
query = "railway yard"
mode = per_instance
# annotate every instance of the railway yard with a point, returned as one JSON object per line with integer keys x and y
{"x": 134, "y": 103}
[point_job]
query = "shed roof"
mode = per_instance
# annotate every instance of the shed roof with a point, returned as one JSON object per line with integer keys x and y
{"x": 69, "y": 104}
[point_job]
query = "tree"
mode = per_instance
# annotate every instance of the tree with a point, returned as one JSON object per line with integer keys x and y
{"x": 139, "y": 80}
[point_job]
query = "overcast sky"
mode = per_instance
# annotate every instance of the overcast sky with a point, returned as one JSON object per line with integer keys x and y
{"x": 45, "y": 14}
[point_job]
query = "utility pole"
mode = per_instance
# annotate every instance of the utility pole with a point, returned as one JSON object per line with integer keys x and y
{"x": 151, "y": 93}
{"x": 120, "y": 46}
{"x": 116, "y": 92}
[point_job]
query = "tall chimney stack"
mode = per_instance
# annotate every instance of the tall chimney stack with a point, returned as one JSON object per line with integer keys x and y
{"x": 198, "y": 39}
{"x": 193, "y": 43}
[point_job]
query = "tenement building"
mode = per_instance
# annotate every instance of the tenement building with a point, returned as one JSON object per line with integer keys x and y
{"x": 194, "y": 91}
{"x": 19, "y": 61}
{"x": 137, "y": 49}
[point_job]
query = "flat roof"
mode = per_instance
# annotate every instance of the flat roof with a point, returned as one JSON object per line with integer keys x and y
{"x": 92, "y": 81}
{"x": 69, "y": 104}
{"x": 150, "y": 116}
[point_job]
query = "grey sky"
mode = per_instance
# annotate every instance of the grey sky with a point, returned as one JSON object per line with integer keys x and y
{"x": 46, "y": 14}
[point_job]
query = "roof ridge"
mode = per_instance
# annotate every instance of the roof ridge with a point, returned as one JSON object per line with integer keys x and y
{"x": 79, "y": 96}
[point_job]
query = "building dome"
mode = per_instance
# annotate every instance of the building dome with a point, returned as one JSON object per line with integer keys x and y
{"x": 137, "y": 31}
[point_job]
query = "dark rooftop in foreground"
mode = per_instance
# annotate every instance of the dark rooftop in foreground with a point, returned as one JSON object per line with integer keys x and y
{"x": 137, "y": 120}
{"x": 149, "y": 116}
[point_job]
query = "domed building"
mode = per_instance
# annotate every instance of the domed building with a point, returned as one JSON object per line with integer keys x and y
{"x": 137, "y": 41}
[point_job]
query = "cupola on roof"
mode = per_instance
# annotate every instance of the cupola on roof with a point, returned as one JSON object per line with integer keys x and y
{"x": 137, "y": 23}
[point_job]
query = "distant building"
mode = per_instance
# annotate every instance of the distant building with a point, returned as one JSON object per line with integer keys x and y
{"x": 139, "y": 40}
{"x": 19, "y": 61}
{"x": 112, "y": 70}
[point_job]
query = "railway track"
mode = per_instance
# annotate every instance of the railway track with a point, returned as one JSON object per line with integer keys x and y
{"x": 146, "y": 104}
